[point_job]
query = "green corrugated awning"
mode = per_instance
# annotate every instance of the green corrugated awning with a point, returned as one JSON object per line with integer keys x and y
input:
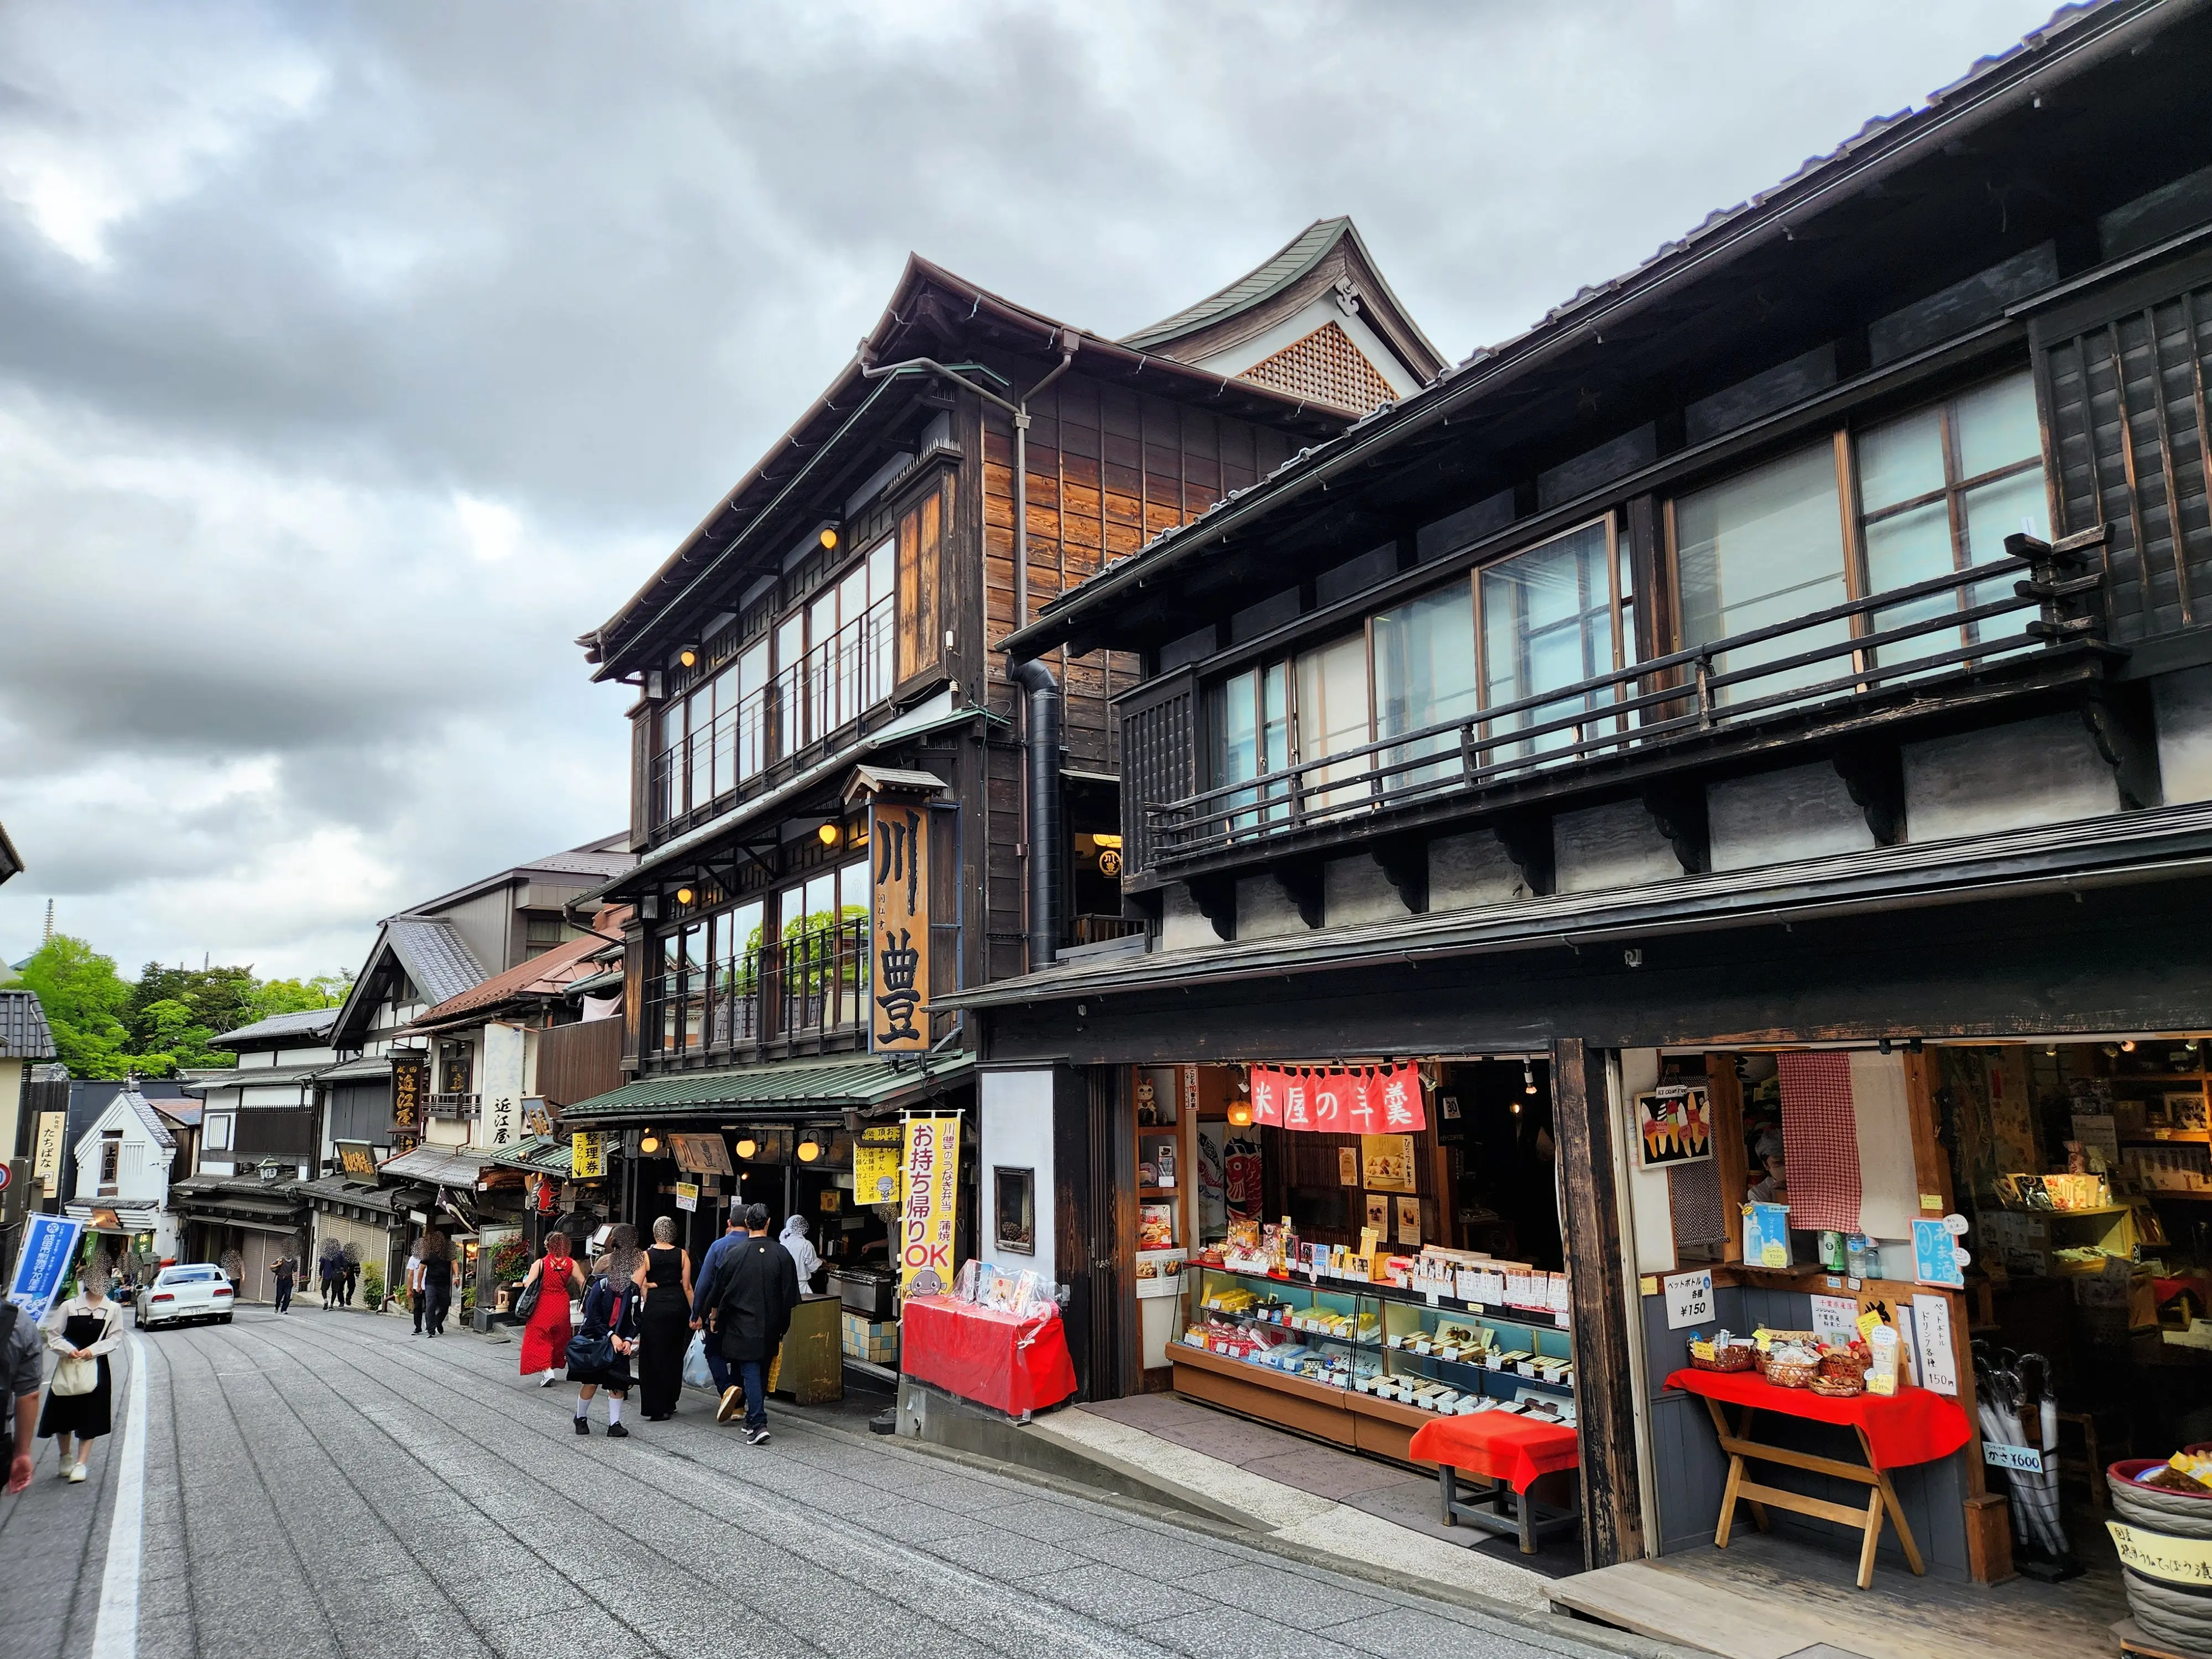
{"x": 826, "y": 1084}
{"x": 552, "y": 1155}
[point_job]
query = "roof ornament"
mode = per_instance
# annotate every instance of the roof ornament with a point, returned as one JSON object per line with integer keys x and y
{"x": 1347, "y": 296}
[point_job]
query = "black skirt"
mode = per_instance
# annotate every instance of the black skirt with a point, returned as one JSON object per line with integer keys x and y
{"x": 666, "y": 1335}
{"x": 86, "y": 1415}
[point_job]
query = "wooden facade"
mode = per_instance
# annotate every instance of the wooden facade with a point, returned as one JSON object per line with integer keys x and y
{"x": 1986, "y": 838}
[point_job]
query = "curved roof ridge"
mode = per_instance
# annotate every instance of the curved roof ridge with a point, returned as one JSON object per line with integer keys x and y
{"x": 1271, "y": 275}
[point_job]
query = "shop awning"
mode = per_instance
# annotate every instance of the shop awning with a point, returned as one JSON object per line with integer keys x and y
{"x": 337, "y": 1192}
{"x": 269, "y": 1206}
{"x": 435, "y": 1166}
{"x": 865, "y": 1082}
{"x": 553, "y": 1155}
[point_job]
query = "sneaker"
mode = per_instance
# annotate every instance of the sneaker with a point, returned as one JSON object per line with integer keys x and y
{"x": 76, "y": 1474}
{"x": 755, "y": 1437}
{"x": 616, "y": 1431}
{"x": 583, "y": 1426}
{"x": 547, "y": 1381}
{"x": 733, "y": 1401}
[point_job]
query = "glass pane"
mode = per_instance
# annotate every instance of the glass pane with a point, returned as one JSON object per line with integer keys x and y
{"x": 1332, "y": 717}
{"x": 1903, "y": 548}
{"x": 853, "y": 899}
{"x": 790, "y": 682}
{"x": 1548, "y": 622}
{"x": 1762, "y": 548}
{"x": 883, "y": 569}
{"x": 1424, "y": 676}
{"x": 1997, "y": 426}
{"x": 2010, "y": 506}
{"x": 702, "y": 764}
{"x": 751, "y": 718}
{"x": 1234, "y": 721}
{"x": 1901, "y": 459}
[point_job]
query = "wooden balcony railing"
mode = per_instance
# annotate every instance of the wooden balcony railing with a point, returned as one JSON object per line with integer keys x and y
{"x": 2035, "y": 597}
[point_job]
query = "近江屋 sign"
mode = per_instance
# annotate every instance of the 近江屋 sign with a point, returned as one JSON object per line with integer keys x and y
{"x": 1339, "y": 1100}
{"x": 930, "y": 1202}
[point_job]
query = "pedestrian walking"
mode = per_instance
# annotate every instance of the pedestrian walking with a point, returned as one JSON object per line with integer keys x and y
{"x": 804, "y": 1260}
{"x": 545, "y": 1334}
{"x": 350, "y": 1281}
{"x": 666, "y": 1322}
{"x": 600, "y": 1354}
{"x": 84, "y": 1330}
{"x": 23, "y": 1358}
{"x": 285, "y": 1270}
{"x": 759, "y": 1288}
{"x": 437, "y": 1282}
{"x": 329, "y": 1266}
{"x": 703, "y": 1310}
{"x": 415, "y": 1285}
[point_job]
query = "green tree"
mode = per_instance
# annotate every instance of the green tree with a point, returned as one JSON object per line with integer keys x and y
{"x": 298, "y": 996}
{"x": 170, "y": 1036}
{"x": 219, "y": 998}
{"x": 85, "y": 1001}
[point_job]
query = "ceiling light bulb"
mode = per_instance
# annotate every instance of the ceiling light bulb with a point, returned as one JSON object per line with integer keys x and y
{"x": 688, "y": 657}
{"x": 1527, "y": 1079}
{"x": 808, "y": 1149}
{"x": 747, "y": 1146}
{"x": 1240, "y": 1112}
{"x": 828, "y": 541}
{"x": 2128, "y": 1047}
{"x": 648, "y": 1143}
{"x": 683, "y": 895}
{"x": 828, "y": 833}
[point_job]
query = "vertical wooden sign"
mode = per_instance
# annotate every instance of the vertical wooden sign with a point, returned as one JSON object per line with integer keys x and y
{"x": 898, "y": 836}
{"x": 409, "y": 1075}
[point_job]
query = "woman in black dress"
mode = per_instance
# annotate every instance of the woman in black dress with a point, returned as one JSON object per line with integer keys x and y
{"x": 437, "y": 1282}
{"x": 84, "y": 1330}
{"x": 610, "y": 1311}
{"x": 667, "y": 1321}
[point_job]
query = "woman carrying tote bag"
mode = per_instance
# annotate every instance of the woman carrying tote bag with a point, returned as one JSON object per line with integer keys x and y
{"x": 84, "y": 1330}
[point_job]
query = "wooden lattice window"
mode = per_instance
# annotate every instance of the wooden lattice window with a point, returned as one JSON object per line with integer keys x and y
{"x": 1323, "y": 368}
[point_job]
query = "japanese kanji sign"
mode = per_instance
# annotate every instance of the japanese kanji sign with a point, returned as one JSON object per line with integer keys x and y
{"x": 410, "y": 1073}
{"x": 929, "y": 1201}
{"x": 898, "y": 837}
{"x": 587, "y": 1155}
{"x": 500, "y": 1125}
{"x": 1339, "y": 1100}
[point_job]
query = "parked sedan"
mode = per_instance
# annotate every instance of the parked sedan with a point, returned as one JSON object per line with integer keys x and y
{"x": 201, "y": 1291}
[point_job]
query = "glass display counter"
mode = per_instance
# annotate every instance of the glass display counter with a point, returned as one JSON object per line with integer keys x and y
{"x": 1386, "y": 1352}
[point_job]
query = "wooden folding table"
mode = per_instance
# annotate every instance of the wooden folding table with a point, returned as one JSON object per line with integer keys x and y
{"x": 1910, "y": 1426}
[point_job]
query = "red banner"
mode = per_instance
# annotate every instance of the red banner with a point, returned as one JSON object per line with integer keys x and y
{"x": 1366, "y": 1100}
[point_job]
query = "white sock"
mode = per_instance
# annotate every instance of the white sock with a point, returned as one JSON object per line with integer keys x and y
{"x": 614, "y": 1411}
{"x": 583, "y": 1407}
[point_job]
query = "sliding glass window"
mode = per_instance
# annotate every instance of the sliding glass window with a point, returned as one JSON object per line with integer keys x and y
{"x": 1765, "y": 547}
{"x": 1552, "y": 617}
{"x": 1248, "y": 720}
{"x": 1425, "y": 676}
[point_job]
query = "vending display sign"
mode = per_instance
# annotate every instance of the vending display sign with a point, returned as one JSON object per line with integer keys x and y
{"x": 1339, "y": 1100}
{"x": 930, "y": 1202}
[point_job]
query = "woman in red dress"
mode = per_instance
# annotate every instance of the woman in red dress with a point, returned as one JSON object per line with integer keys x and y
{"x": 545, "y": 1338}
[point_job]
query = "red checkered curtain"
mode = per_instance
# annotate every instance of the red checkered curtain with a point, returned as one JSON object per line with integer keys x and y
{"x": 1820, "y": 1141}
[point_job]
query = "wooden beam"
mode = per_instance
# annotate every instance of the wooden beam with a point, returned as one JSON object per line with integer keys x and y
{"x": 1216, "y": 899}
{"x": 1724, "y": 1096}
{"x": 1931, "y": 1165}
{"x": 2120, "y": 725}
{"x": 1302, "y": 882}
{"x": 1404, "y": 861}
{"x": 1678, "y": 809}
{"x": 1604, "y": 1378}
{"x": 1874, "y": 776}
{"x": 1527, "y": 839}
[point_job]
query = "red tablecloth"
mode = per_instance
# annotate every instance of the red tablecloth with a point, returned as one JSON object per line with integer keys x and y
{"x": 1910, "y": 1426}
{"x": 1499, "y": 1446}
{"x": 994, "y": 1358}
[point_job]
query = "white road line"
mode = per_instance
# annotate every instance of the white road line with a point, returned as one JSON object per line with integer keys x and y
{"x": 116, "y": 1635}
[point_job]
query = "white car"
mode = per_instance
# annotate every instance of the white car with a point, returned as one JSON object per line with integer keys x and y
{"x": 201, "y": 1291}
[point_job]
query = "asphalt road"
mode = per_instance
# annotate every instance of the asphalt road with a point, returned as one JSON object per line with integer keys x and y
{"x": 324, "y": 1484}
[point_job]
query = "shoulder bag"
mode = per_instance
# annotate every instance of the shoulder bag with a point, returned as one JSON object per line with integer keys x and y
{"x": 527, "y": 1304}
{"x": 592, "y": 1348}
{"x": 73, "y": 1377}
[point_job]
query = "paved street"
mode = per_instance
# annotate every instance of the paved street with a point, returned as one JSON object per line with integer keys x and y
{"x": 323, "y": 1484}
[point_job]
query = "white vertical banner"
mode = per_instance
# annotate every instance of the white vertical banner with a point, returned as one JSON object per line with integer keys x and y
{"x": 499, "y": 1118}
{"x": 1939, "y": 1360}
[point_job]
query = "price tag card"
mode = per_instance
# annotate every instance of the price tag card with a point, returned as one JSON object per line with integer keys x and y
{"x": 1689, "y": 1299}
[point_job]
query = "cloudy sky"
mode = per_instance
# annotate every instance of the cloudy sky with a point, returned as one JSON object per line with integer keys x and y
{"x": 354, "y": 360}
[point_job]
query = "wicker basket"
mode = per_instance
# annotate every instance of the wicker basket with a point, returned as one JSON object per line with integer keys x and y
{"x": 1844, "y": 1366}
{"x": 1791, "y": 1374}
{"x": 1837, "y": 1388}
{"x": 1736, "y": 1357}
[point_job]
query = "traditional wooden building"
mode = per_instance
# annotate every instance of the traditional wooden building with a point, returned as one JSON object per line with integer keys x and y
{"x": 825, "y": 725}
{"x": 1771, "y": 697}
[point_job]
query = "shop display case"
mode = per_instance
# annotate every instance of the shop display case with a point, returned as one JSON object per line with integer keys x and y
{"x": 1363, "y": 1363}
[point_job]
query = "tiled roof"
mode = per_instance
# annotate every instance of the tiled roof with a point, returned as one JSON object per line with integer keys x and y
{"x": 824, "y": 1084}
{"x": 435, "y": 1166}
{"x": 1297, "y": 257}
{"x": 548, "y": 974}
{"x": 366, "y": 1069}
{"x": 311, "y": 1022}
{"x": 136, "y": 1103}
{"x": 24, "y": 1034}
{"x": 552, "y": 1155}
{"x": 258, "y": 1076}
{"x": 436, "y": 958}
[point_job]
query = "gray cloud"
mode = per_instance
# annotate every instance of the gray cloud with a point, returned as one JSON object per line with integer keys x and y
{"x": 356, "y": 358}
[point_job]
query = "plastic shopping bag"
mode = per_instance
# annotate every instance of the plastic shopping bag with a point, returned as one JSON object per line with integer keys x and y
{"x": 694, "y": 1363}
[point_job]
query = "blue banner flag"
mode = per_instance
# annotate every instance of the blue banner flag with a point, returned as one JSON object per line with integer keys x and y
{"x": 49, "y": 1248}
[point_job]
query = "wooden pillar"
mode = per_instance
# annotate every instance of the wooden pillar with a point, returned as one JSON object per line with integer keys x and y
{"x": 1604, "y": 1377}
{"x": 1724, "y": 1096}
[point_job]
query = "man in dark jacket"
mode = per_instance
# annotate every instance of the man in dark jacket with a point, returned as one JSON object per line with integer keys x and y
{"x": 754, "y": 1288}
